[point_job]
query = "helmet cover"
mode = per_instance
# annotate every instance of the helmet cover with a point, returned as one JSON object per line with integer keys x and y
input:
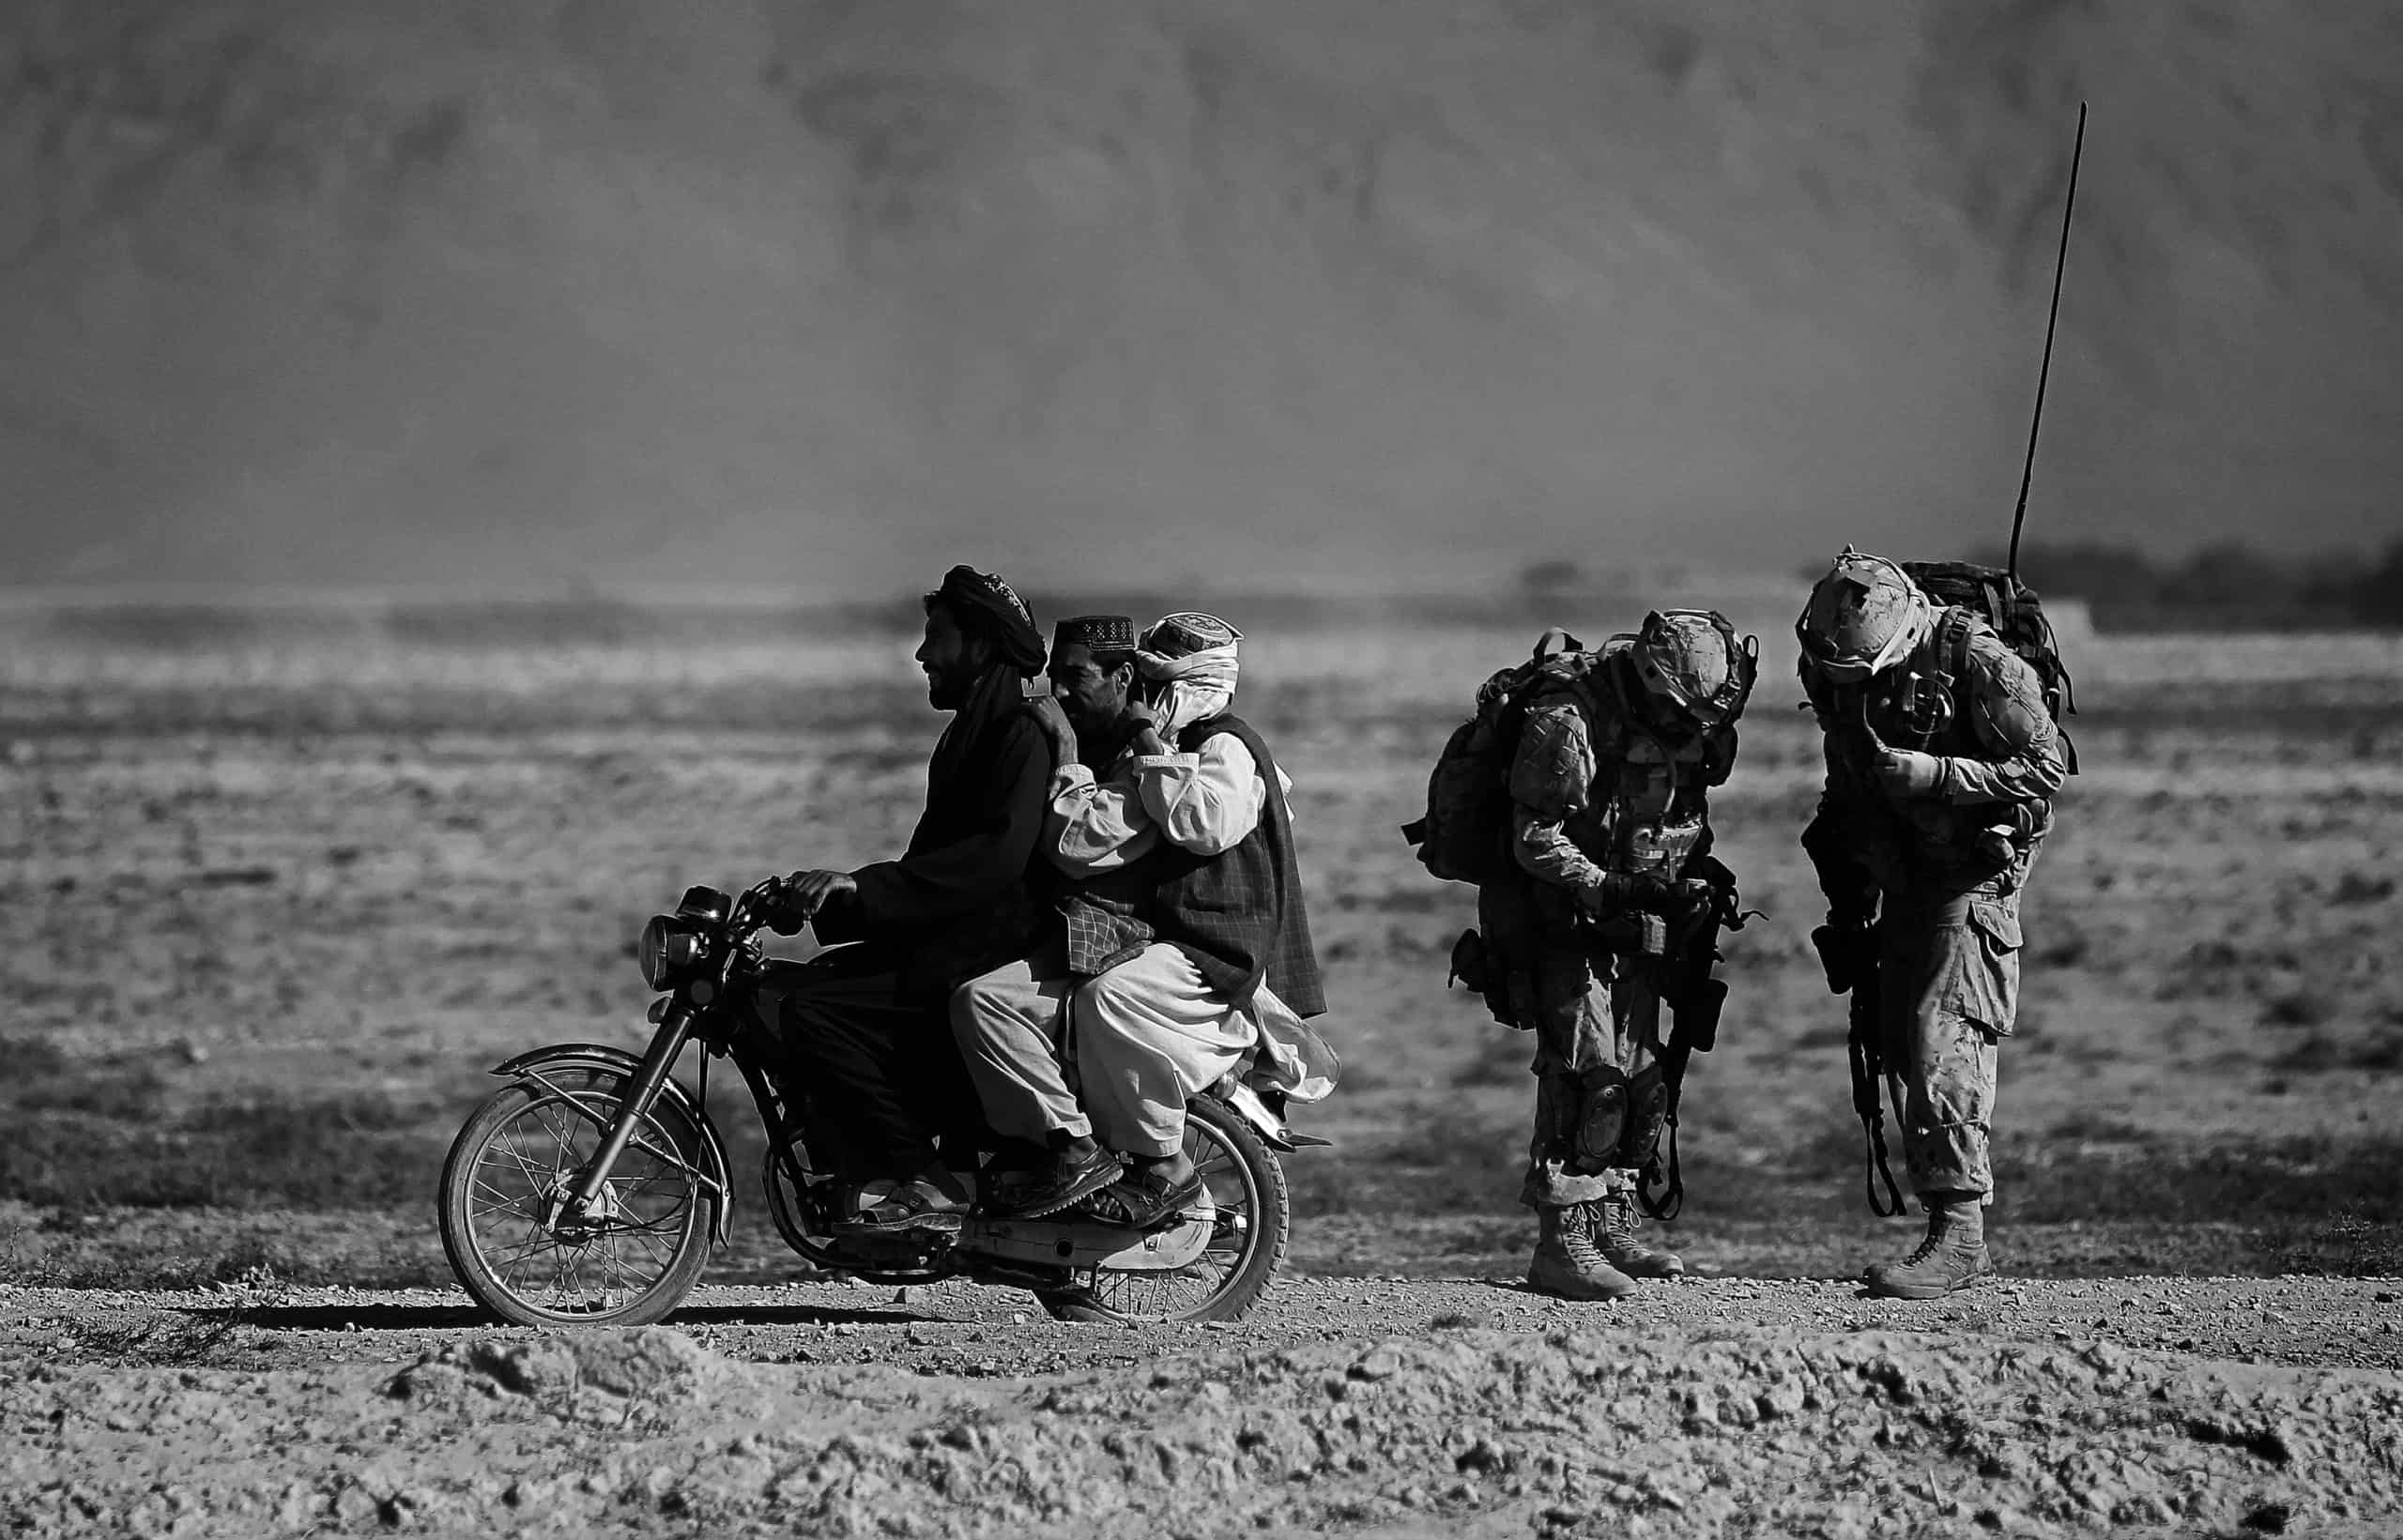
{"x": 1862, "y": 617}
{"x": 1692, "y": 659}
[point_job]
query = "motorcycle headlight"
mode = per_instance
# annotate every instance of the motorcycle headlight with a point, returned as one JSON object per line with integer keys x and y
{"x": 668, "y": 953}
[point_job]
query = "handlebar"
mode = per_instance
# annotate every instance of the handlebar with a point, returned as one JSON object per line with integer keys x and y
{"x": 743, "y": 920}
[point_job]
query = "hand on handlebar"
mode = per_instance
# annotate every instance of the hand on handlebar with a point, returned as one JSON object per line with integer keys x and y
{"x": 796, "y": 899}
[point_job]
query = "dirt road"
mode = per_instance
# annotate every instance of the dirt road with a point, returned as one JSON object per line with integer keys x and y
{"x": 1392, "y": 1407}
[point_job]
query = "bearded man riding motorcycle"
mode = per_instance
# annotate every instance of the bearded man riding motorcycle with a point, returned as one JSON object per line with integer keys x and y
{"x": 1942, "y": 764}
{"x": 867, "y": 1025}
{"x": 1610, "y": 842}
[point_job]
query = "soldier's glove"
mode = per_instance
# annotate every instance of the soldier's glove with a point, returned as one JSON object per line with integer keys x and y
{"x": 1901, "y": 773}
{"x": 1907, "y": 772}
{"x": 1619, "y": 893}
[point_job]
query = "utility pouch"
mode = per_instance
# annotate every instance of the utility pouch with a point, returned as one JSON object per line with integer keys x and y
{"x": 1469, "y": 964}
{"x": 1698, "y": 1014}
{"x": 1632, "y": 933}
{"x": 1839, "y": 948}
{"x": 1473, "y": 966}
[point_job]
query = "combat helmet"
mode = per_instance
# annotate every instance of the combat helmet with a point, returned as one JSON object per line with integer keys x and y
{"x": 1862, "y": 617}
{"x": 1692, "y": 659}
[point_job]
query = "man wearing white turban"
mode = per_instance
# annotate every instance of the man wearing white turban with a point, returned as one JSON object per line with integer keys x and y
{"x": 1188, "y": 944}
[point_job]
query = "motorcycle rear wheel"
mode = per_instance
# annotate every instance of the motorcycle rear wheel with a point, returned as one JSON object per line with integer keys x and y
{"x": 500, "y": 1190}
{"x": 1254, "y": 1219}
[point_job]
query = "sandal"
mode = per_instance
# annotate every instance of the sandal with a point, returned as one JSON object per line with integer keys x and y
{"x": 1067, "y": 1180}
{"x": 917, "y": 1203}
{"x": 1140, "y": 1200}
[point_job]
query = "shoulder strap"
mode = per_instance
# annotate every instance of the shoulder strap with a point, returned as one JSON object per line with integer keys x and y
{"x": 1954, "y": 646}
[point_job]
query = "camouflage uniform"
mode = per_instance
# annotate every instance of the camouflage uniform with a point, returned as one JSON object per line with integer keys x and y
{"x": 1940, "y": 869}
{"x": 1597, "y": 788}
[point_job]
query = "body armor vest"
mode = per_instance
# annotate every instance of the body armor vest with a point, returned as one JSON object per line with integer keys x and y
{"x": 1652, "y": 794}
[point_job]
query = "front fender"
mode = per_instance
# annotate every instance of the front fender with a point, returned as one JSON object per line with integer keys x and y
{"x": 612, "y": 1061}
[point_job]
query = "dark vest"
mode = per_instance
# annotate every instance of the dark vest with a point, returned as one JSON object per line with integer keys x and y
{"x": 1239, "y": 914}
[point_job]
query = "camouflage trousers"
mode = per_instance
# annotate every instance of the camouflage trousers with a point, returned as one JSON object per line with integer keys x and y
{"x": 1599, "y": 1100}
{"x": 1948, "y": 969}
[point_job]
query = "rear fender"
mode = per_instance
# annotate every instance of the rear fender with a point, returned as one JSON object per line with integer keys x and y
{"x": 541, "y": 1064}
{"x": 1251, "y": 1109}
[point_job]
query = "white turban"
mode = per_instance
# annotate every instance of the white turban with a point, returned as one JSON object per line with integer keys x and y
{"x": 1194, "y": 656}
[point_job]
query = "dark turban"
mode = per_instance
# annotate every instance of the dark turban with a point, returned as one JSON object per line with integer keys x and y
{"x": 1096, "y": 633}
{"x": 986, "y": 606}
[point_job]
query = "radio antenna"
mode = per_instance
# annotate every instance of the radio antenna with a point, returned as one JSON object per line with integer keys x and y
{"x": 2060, "y": 260}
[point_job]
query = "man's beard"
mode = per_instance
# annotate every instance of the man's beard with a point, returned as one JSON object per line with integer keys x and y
{"x": 947, "y": 692}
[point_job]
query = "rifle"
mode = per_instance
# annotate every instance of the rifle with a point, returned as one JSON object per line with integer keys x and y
{"x": 1694, "y": 998}
{"x": 1848, "y": 953}
{"x": 2060, "y": 263}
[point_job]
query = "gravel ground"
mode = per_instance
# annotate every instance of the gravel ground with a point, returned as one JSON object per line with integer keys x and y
{"x": 1385, "y": 1406}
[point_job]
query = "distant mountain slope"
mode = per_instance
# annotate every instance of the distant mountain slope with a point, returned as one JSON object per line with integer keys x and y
{"x": 1355, "y": 291}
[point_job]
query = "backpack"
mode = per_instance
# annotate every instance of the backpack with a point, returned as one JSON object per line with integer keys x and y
{"x": 2017, "y": 614}
{"x": 1461, "y": 838}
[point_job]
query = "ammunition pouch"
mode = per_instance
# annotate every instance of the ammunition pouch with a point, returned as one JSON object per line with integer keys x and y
{"x": 1697, "y": 1013}
{"x": 1473, "y": 966}
{"x": 1847, "y": 955}
{"x": 1631, "y": 933}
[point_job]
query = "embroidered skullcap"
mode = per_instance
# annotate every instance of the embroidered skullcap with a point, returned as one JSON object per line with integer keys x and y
{"x": 986, "y": 606}
{"x": 1096, "y": 633}
{"x": 1187, "y": 633}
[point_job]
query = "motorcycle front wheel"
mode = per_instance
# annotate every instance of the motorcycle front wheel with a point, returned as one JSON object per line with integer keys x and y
{"x": 628, "y": 1262}
{"x": 1253, "y": 1216}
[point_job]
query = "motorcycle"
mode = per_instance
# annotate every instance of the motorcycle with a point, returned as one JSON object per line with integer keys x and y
{"x": 589, "y": 1189}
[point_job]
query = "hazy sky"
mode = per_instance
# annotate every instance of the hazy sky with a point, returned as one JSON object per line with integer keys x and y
{"x": 1350, "y": 293}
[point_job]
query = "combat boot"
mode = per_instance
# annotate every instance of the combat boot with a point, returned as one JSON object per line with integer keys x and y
{"x": 1623, "y": 1248}
{"x": 1953, "y": 1256}
{"x": 1567, "y": 1264}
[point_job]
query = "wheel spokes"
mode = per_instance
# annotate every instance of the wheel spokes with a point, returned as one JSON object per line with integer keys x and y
{"x": 1234, "y": 1231}
{"x": 625, "y": 1245}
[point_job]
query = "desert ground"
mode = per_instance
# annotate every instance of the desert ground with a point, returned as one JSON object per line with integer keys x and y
{"x": 282, "y": 883}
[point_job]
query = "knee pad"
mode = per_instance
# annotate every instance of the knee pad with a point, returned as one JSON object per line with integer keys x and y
{"x": 1602, "y": 1121}
{"x": 1648, "y": 1110}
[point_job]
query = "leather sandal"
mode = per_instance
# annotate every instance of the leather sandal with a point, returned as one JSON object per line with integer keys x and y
{"x": 919, "y": 1204}
{"x": 1140, "y": 1200}
{"x": 1068, "y": 1179}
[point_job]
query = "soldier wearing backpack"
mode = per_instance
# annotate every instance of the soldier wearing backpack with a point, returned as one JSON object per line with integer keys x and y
{"x": 1942, "y": 763}
{"x": 1603, "y": 901}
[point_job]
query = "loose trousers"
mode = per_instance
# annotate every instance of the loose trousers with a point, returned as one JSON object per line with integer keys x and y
{"x": 1144, "y": 1038}
{"x": 878, "y": 1069}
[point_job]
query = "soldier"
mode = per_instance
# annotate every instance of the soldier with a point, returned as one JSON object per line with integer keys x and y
{"x": 1942, "y": 763}
{"x": 1610, "y": 882}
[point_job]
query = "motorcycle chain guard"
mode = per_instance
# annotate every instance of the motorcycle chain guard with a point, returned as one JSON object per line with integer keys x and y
{"x": 1049, "y": 1243}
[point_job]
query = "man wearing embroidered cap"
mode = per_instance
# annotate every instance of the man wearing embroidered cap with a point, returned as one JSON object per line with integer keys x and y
{"x": 1011, "y": 1021}
{"x": 1609, "y": 891}
{"x": 1186, "y": 946}
{"x": 970, "y": 890}
{"x": 1942, "y": 764}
